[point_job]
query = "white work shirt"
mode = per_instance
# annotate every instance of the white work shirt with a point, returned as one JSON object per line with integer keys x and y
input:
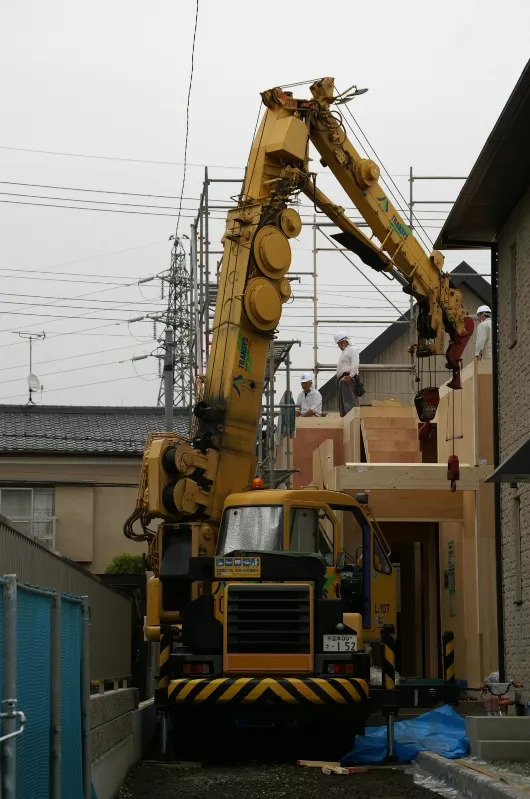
{"x": 348, "y": 362}
{"x": 312, "y": 401}
{"x": 483, "y": 340}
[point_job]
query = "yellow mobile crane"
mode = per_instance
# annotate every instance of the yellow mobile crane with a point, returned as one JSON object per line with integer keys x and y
{"x": 255, "y": 600}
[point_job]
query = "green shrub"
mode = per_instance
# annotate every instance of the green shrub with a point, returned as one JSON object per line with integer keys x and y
{"x": 126, "y": 564}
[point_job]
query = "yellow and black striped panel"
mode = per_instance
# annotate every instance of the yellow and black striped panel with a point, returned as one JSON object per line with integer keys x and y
{"x": 287, "y": 690}
{"x": 448, "y": 639}
{"x": 388, "y": 659}
{"x": 165, "y": 651}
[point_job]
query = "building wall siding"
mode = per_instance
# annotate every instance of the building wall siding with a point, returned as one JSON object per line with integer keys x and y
{"x": 514, "y": 424}
{"x": 93, "y": 498}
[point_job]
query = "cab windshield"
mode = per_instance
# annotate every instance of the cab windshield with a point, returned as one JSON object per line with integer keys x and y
{"x": 256, "y": 528}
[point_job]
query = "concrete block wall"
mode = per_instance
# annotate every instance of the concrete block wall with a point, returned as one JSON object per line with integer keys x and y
{"x": 499, "y": 737}
{"x": 121, "y": 732}
{"x": 514, "y": 419}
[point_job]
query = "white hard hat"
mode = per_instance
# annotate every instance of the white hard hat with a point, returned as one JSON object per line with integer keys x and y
{"x": 307, "y": 377}
{"x": 339, "y": 336}
{"x": 483, "y": 309}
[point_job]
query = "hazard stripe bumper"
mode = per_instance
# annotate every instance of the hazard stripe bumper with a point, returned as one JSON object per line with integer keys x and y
{"x": 288, "y": 690}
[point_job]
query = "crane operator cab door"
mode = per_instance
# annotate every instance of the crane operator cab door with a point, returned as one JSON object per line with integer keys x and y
{"x": 315, "y": 529}
{"x": 365, "y": 554}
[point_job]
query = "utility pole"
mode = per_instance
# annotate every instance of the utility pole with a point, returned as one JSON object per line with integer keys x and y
{"x": 169, "y": 372}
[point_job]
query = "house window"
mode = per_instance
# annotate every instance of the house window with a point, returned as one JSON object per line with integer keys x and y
{"x": 32, "y": 511}
{"x": 516, "y": 510}
{"x": 513, "y": 296}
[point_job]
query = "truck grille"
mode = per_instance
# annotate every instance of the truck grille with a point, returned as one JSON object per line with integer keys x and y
{"x": 272, "y": 619}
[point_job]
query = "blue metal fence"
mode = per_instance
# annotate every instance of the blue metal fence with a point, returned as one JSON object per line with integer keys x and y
{"x": 44, "y": 667}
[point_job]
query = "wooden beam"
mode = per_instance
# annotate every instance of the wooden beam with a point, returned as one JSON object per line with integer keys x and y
{"x": 416, "y": 476}
{"x": 418, "y": 506}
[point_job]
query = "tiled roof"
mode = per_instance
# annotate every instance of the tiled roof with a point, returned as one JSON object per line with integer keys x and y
{"x": 77, "y": 430}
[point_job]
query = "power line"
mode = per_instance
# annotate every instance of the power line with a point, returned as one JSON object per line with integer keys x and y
{"x": 48, "y": 297}
{"x": 94, "y": 191}
{"x": 77, "y": 307}
{"x": 59, "y": 318}
{"x": 116, "y": 158}
{"x": 64, "y": 371}
{"x": 188, "y": 115}
{"x": 82, "y": 385}
{"x": 88, "y": 258}
{"x": 102, "y": 210}
{"x": 70, "y": 357}
{"x": 95, "y": 202}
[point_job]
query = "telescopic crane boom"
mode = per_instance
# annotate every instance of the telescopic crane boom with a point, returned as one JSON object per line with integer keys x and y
{"x": 190, "y": 481}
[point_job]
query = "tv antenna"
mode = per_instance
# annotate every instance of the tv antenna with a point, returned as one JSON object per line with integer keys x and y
{"x": 34, "y": 383}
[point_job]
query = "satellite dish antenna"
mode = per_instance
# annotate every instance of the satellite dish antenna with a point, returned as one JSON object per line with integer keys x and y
{"x": 33, "y": 385}
{"x": 33, "y": 382}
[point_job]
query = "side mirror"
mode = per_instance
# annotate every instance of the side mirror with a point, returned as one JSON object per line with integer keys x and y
{"x": 341, "y": 561}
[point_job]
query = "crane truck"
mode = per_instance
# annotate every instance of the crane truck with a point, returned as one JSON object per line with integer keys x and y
{"x": 257, "y": 600}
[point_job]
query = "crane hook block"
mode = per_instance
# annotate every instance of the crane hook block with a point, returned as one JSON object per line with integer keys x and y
{"x": 453, "y": 470}
{"x": 426, "y": 402}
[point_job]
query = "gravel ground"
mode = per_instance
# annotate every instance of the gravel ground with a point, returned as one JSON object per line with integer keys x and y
{"x": 514, "y": 767}
{"x": 255, "y": 780}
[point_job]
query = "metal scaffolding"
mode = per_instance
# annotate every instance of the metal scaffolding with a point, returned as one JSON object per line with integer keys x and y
{"x": 205, "y": 263}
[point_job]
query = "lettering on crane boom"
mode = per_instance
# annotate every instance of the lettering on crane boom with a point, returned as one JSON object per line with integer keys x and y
{"x": 245, "y": 360}
{"x": 399, "y": 227}
{"x": 382, "y": 608}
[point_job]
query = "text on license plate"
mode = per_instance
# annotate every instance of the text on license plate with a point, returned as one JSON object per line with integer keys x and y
{"x": 340, "y": 643}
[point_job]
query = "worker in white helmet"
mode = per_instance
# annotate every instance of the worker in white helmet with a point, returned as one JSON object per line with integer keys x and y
{"x": 347, "y": 373}
{"x": 483, "y": 340}
{"x": 309, "y": 400}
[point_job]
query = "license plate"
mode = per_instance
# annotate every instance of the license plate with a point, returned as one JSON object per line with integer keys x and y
{"x": 340, "y": 643}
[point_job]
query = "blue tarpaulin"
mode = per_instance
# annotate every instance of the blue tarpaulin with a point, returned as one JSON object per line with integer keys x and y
{"x": 442, "y": 731}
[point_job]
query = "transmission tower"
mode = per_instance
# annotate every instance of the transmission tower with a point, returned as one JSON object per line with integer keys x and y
{"x": 177, "y": 322}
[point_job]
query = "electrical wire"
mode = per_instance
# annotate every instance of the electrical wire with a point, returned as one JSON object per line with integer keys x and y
{"x": 102, "y": 210}
{"x": 82, "y": 385}
{"x": 82, "y": 260}
{"x": 70, "y": 357}
{"x": 188, "y": 115}
{"x": 116, "y": 158}
{"x": 65, "y": 371}
{"x": 96, "y": 191}
{"x": 94, "y": 202}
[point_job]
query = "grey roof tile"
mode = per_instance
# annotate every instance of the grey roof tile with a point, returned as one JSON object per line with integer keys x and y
{"x": 78, "y": 430}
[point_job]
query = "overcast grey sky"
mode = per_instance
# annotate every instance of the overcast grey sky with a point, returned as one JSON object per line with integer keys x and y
{"x": 110, "y": 79}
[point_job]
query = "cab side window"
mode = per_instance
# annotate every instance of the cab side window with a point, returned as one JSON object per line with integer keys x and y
{"x": 304, "y": 527}
{"x": 381, "y": 562}
{"x": 311, "y": 530}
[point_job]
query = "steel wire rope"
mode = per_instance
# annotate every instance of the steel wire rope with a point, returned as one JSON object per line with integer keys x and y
{"x": 385, "y": 170}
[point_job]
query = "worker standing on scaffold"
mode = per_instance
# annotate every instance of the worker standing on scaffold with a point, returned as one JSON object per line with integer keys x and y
{"x": 350, "y": 387}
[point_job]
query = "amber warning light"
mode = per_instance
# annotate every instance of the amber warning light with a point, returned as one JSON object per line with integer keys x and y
{"x": 257, "y": 483}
